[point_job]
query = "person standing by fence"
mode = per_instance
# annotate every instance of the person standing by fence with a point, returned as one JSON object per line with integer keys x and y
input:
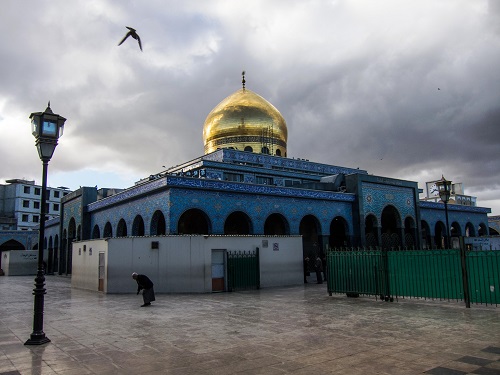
{"x": 318, "y": 267}
{"x": 306, "y": 269}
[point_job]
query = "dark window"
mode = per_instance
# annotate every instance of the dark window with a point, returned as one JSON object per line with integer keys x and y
{"x": 35, "y": 218}
{"x": 56, "y": 194}
{"x": 36, "y": 205}
{"x": 25, "y": 218}
{"x": 248, "y": 149}
{"x": 56, "y": 207}
{"x": 289, "y": 183}
{"x": 236, "y": 177}
{"x": 37, "y": 191}
{"x": 263, "y": 180}
{"x": 26, "y": 190}
{"x": 26, "y": 204}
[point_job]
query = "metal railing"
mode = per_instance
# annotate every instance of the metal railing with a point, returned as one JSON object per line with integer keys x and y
{"x": 453, "y": 274}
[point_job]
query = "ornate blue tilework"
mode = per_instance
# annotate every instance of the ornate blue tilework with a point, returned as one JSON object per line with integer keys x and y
{"x": 377, "y": 196}
{"x": 431, "y": 213}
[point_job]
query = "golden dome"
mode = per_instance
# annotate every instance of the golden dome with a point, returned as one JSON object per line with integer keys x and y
{"x": 245, "y": 121}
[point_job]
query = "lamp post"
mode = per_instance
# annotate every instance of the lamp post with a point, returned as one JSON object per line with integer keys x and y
{"x": 46, "y": 127}
{"x": 444, "y": 193}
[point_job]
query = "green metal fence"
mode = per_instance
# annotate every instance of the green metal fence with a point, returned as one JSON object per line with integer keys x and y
{"x": 471, "y": 276}
{"x": 243, "y": 270}
{"x": 483, "y": 272}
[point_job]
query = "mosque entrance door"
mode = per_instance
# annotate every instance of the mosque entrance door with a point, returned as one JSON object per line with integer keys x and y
{"x": 218, "y": 270}
{"x": 338, "y": 230}
{"x": 391, "y": 228}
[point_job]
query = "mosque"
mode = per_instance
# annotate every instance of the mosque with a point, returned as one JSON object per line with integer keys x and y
{"x": 246, "y": 184}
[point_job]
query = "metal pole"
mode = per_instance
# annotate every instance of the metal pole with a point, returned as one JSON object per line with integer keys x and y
{"x": 465, "y": 274}
{"x": 38, "y": 336}
{"x": 448, "y": 245}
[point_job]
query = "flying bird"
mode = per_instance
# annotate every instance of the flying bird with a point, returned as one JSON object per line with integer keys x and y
{"x": 132, "y": 32}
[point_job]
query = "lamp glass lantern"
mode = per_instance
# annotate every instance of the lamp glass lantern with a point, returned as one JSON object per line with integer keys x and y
{"x": 444, "y": 189}
{"x": 47, "y": 127}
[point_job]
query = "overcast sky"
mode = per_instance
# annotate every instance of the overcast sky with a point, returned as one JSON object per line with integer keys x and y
{"x": 402, "y": 89}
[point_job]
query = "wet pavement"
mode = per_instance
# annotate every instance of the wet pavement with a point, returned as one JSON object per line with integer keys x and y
{"x": 297, "y": 330}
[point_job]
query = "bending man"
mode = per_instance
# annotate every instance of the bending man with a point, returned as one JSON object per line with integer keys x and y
{"x": 143, "y": 282}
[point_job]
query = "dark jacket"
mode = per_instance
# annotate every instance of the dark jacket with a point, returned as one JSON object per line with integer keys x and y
{"x": 143, "y": 282}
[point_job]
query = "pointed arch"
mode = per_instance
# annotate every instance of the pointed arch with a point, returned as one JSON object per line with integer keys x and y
{"x": 410, "y": 233}
{"x": 371, "y": 230}
{"x": 158, "y": 226}
{"x": 138, "y": 226}
{"x": 338, "y": 232}
{"x": 121, "y": 229}
{"x": 108, "y": 230}
{"x": 238, "y": 222}
{"x": 440, "y": 235}
{"x": 426, "y": 235}
{"x": 194, "y": 221}
{"x": 309, "y": 229}
{"x": 276, "y": 225}
{"x": 12, "y": 245}
{"x": 391, "y": 227}
{"x": 96, "y": 232}
{"x": 469, "y": 230}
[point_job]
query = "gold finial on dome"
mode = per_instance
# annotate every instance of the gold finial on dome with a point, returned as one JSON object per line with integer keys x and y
{"x": 243, "y": 80}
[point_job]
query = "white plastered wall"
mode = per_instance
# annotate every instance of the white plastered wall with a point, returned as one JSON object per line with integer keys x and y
{"x": 181, "y": 264}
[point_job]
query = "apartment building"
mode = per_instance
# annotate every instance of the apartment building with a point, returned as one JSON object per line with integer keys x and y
{"x": 20, "y": 204}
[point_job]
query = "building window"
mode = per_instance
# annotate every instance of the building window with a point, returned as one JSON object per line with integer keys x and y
{"x": 235, "y": 177}
{"x": 37, "y": 191}
{"x": 263, "y": 180}
{"x": 56, "y": 207}
{"x": 289, "y": 183}
{"x": 36, "y": 205}
{"x": 35, "y": 218}
{"x": 25, "y": 218}
{"x": 26, "y": 204}
{"x": 26, "y": 190}
{"x": 56, "y": 194}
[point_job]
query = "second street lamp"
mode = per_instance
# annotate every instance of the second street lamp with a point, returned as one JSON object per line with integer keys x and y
{"x": 46, "y": 127}
{"x": 444, "y": 193}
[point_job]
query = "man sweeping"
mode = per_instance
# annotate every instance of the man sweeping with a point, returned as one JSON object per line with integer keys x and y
{"x": 143, "y": 282}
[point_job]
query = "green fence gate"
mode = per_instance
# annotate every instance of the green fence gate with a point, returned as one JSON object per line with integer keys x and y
{"x": 243, "y": 271}
{"x": 471, "y": 276}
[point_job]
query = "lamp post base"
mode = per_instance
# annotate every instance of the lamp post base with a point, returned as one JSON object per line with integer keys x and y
{"x": 37, "y": 339}
{"x": 37, "y": 336}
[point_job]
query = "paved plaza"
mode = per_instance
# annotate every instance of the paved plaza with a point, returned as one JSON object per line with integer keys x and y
{"x": 297, "y": 330}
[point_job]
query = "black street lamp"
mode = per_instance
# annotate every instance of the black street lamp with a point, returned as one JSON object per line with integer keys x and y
{"x": 444, "y": 193}
{"x": 46, "y": 127}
